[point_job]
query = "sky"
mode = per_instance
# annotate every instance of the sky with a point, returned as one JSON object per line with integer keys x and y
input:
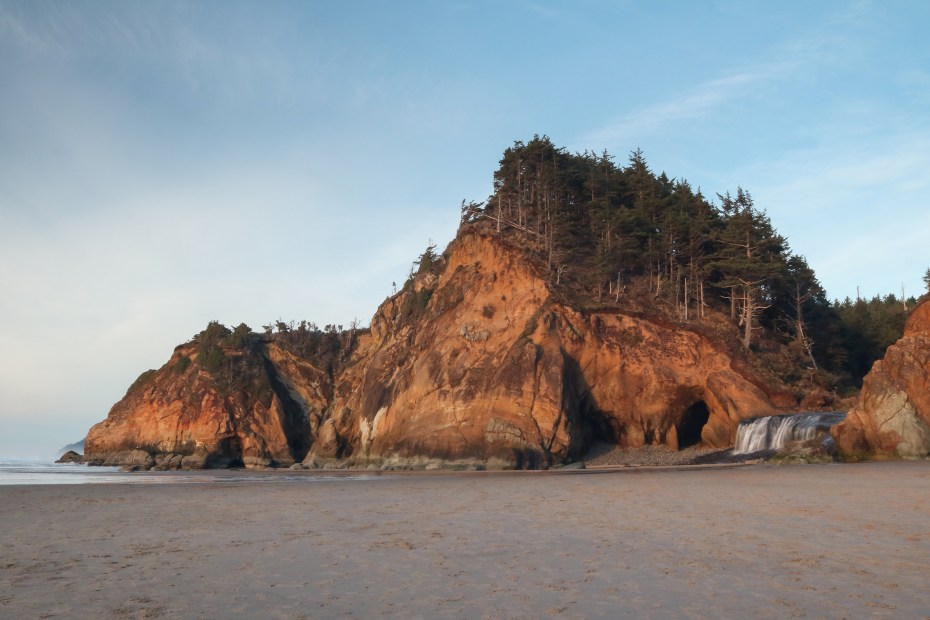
{"x": 164, "y": 164}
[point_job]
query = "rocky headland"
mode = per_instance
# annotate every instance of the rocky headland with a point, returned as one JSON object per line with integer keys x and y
{"x": 582, "y": 305}
{"x": 474, "y": 363}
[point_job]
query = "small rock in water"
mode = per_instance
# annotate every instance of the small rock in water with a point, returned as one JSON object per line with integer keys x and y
{"x": 70, "y": 457}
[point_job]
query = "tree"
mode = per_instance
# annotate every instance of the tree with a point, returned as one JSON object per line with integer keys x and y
{"x": 427, "y": 260}
{"x": 752, "y": 253}
{"x": 927, "y": 280}
{"x": 805, "y": 288}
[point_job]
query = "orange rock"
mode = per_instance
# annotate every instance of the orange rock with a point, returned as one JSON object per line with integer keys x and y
{"x": 495, "y": 369}
{"x": 893, "y": 412}
{"x": 477, "y": 363}
{"x": 185, "y": 413}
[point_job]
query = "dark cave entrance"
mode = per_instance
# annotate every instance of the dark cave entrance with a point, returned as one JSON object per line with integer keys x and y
{"x": 229, "y": 454}
{"x": 692, "y": 423}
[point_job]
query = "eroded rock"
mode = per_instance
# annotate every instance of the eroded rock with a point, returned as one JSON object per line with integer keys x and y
{"x": 892, "y": 415}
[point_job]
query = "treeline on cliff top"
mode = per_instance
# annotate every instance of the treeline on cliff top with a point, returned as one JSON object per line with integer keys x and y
{"x": 611, "y": 235}
{"x": 234, "y": 358}
{"x": 607, "y": 237}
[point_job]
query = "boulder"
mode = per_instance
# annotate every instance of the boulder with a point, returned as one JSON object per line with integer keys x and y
{"x": 70, "y": 457}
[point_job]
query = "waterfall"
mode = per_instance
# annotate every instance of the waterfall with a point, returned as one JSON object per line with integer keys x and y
{"x": 773, "y": 432}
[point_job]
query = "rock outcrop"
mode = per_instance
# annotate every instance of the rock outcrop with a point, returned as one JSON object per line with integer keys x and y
{"x": 892, "y": 415}
{"x": 258, "y": 410}
{"x": 474, "y": 361}
{"x": 70, "y": 457}
{"x": 493, "y": 369}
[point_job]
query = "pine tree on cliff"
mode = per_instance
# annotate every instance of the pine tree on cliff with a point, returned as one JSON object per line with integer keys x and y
{"x": 694, "y": 223}
{"x": 751, "y": 254}
{"x": 800, "y": 302}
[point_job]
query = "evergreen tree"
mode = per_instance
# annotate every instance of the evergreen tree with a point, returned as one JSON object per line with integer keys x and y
{"x": 595, "y": 227}
{"x": 750, "y": 256}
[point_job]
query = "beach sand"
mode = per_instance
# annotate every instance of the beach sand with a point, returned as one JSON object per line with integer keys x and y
{"x": 758, "y": 541}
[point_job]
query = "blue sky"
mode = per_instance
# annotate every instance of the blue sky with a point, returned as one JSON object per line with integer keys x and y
{"x": 164, "y": 164}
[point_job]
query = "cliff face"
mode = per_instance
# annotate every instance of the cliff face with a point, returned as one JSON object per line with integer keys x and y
{"x": 187, "y": 416}
{"x": 495, "y": 369}
{"x": 893, "y": 412}
{"x": 474, "y": 361}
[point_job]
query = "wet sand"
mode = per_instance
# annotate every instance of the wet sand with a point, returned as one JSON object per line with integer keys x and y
{"x": 760, "y": 541}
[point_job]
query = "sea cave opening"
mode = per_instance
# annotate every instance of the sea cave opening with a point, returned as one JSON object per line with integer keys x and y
{"x": 229, "y": 454}
{"x": 691, "y": 424}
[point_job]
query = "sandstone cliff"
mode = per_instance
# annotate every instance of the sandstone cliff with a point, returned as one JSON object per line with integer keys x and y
{"x": 893, "y": 412}
{"x": 259, "y": 409}
{"x": 494, "y": 368}
{"x": 474, "y": 360}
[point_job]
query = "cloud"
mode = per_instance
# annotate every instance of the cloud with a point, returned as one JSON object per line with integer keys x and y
{"x": 854, "y": 200}
{"x": 794, "y": 62}
{"x": 691, "y": 105}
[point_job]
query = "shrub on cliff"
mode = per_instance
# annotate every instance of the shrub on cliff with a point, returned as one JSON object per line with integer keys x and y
{"x": 211, "y": 357}
{"x": 239, "y": 338}
{"x": 211, "y": 341}
{"x": 141, "y": 381}
{"x": 181, "y": 365}
{"x": 415, "y": 304}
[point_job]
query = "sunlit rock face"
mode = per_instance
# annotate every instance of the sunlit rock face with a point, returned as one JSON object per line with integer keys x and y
{"x": 184, "y": 411}
{"x": 893, "y": 412}
{"x": 474, "y": 361}
{"x": 494, "y": 369}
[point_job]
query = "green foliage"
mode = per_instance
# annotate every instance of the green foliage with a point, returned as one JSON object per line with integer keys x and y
{"x": 868, "y": 328}
{"x": 213, "y": 334}
{"x": 600, "y": 229}
{"x": 240, "y": 338}
{"x": 234, "y": 361}
{"x": 415, "y": 304}
{"x": 141, "y": 381}
{"x": 325, "y": 348}
{"x": 209, "y": 342}
{"x": 181, "y": 365}
{"x": 428, "y": 260}
{"x": 212, "y": 341}
{"x": 211, "y": 358}
{"x": 927, "y": 280}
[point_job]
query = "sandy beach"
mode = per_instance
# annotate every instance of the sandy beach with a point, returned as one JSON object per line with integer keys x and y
{"x": 760, "y": 541}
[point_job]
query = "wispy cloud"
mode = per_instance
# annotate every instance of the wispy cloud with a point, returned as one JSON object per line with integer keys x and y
{"x": 688, "y": 106}
{"x": 792, "y": 61}
{"x": 853, "y": 195}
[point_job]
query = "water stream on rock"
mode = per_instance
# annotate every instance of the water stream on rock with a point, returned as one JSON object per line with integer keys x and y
{"x": 773, "y": 432}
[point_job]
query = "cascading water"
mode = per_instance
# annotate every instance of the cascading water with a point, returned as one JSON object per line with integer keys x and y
{"x": 773, "y": 432}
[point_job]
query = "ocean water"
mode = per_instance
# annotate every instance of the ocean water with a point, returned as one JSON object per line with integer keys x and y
{"x": 46, "y": 471}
